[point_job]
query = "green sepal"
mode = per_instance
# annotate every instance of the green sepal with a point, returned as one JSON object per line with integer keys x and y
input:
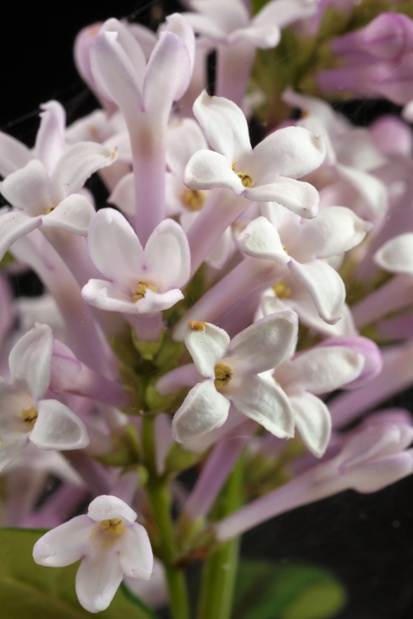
{"x": 266, "y": 590}
{"x": 7, "y": 260}
{"x": 30, "y": 590}
{"x": 179, "y": 459}
{"x": 147, "y": 350}
{"x": 126, "y": 449}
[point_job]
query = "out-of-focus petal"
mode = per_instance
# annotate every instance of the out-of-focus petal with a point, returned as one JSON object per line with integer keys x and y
{"x": 58, "y": 428}
{"x": 30, "y": 360}
{"x": 313, "y": 422}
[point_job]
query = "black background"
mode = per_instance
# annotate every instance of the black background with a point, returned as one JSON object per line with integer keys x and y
{"x": 367, "y": 540}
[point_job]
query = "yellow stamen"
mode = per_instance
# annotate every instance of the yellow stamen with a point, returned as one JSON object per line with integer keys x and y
{"x": 141, "y": 289}
{"x": 282, "y": 291}
{"x": 29, "y": 416}
{"x": 195, "y": 325}
{"x": 245, "y": 178}
{"x": 223, "y": 375}
{"x": 114, "y": 526}
{"x": 193, "y": 199}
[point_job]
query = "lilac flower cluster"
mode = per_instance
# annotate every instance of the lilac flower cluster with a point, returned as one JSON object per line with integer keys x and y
{"x": 206, "y": 313}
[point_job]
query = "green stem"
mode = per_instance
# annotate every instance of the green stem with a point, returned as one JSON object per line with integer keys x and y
{"x": 160, "y": 505}
{"x": 220, "y": 569}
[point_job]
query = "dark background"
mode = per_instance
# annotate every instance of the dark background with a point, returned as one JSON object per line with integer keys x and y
{"x": 367, "y": 540}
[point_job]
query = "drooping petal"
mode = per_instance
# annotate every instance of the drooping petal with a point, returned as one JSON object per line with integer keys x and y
{"x": 30, "y": 360}
{"x": 261, "y": 240}
{"x": 97, "y": 581}
{"x": 207, "y": 345}
{"x": 313, "y": 422}
{"x": 136, "y": 556}
{"x": 14, "y": 225}
{"x": 203, "y": 410}
{"x": 28, "y": 189}
{"x": 207, "y": 170}
{"x": 224, "y": 125}
{"x": 114, "y": 247}
{"x": 106, "y": 507}
{"x": 167, "y": 255}
{"x": 324, "y": 285}
{"x": 58, "y": 428}
{"x": 65, "y": 544}
{"x": 263, "y": 401}
{"x": 265, "y": 343}
{"x": 73, "y": 214}
{"x": 297, "y": 196}
{"x": 76, "y": 165}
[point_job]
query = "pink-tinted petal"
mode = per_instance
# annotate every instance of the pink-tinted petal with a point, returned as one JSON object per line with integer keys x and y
{"x": 107, "y": 296}
{"x": 11, "y": 447}
{"x": 203, "y": 410}
{"x": 167, "y": 255}
{"x": 207, "y": 170}
{"x": 136, "y": 556}
{"x": 50, "y": 140}
{"x": 65, "y": 544}
{"x": 297, "y": 196}
{"x": 73, "y": 214}
{"x": 291, "y": 152}
{"x": 206, "y": 346}
{"x": 324, "y": 285}
{"x": 313, "y": 422}
{"x": 97, "y": 581}
{"x": 157, "y": 302}
{"x": 263, "y": 401}
{"x": 169, "y": 72}
{"x": 285, "y": 12}
{"x": 30, "y": 360}
{"x": 106, "y": 507}
{"x": 13, "y": 225}
{"x": 123, "y": 196}
{"x": 114, "y": 247}
{"x": 372, "y": 190}
{"x": 13, "y": 154}
{"x": 76, "y": 165}
{"x": 262, "y": 37}
{"x": 58, "y": 428}
{"x": 183, "y": 139}
{"x": 264, "y": 344}
{"x": 224, "y": 125}
{"x": 28, "y": 189}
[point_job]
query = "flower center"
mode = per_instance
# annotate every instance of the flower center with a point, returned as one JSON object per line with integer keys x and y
{"x": 29, "y": 416}
{"x": 196, "y": 325}
{"x": 223, "y": 375}
{"x": 245, "y": 178}
{"x": 282, "y": 291}
{"x": 114, "y": 526}
{"x": 141, "y": 289}
{"x": 193, "y": 199}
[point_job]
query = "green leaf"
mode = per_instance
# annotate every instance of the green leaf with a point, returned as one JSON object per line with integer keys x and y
{"x": 30, "y": 590}
{"x": 270, "y": 591}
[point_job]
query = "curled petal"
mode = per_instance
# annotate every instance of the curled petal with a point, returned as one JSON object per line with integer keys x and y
{"x": 50, "y": 140}
{"x": 297, "y": 196}
{"x": 207, "y": 170}
{"x": 261, "y": 240}
{"x": 14, "y": 225}
{"x": 73, "y": 214}
{"x": 31, "y": 358}
{"x": 207, "y": 346}
{"x": 58, "y": 428}
{"x": 203, "y": 410}
{"x": 313, "y": 422}
{"x": 106, "y": 507}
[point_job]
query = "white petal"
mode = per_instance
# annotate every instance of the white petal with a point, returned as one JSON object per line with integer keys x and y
{"x": 372, "y": 190}
{"x": 157, "y": 302}
{"x": 297, "y": 196}
{"x": 73, "y": 214}
{"x": 97, "y": 581}
{"x": 65, "y": 544}
{"x": 107, "y": 296}
{"x": 203, "y": 410}
{"x": 265, "y": 343}
{"x": 261, "y": 400}
{"x": 313, "y": 422}
{"x": 11, "y": 446}
{"x": 58, "y": 428}
{"x": 167, "y": 255}
{"x": 123, "y": 196}
{"x": 260, "y": 239}
{"x": 31, "y": 358}
{"x": 14, "y": 225}
{"x": 136, "y": 556}
{"x": 28, "y": 189}
{"x": 207, "y": 170}
{"x": 13, "y": 154}
{"x": 115, "y": 249}
{"x": 263, "y": 37}
{"x": 50, "y": 140}
{"x": 106, "y": 507}
{"x": 206, "y": 347}
{"x": 324, "y": 285}
{"x": 292, "y": 152}
{"x": 224, "y": 125}
{"x": 396, "y": 255}
{"x": 183, "y": 139}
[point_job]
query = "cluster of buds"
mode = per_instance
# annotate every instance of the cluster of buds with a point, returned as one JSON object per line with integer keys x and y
{"x": 206, "y": 313}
